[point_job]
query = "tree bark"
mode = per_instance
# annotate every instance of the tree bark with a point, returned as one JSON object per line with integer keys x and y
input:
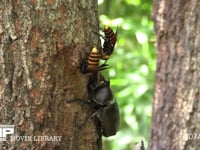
{"x": 177, "y": 90}
{"x": 40, "y": 47}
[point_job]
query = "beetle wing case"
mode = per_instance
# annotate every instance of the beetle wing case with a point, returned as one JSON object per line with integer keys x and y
{"x": 110, "y": 118}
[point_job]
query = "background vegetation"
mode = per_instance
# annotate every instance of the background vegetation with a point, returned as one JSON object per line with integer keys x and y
{"x": 133, "y": 68}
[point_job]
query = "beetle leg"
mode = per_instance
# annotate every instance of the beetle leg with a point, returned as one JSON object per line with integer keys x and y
{"x": 90, "y": 117}
{"x": 81, "y": 101}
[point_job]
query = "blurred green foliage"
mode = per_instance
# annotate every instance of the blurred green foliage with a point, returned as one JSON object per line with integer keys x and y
{"x": 133, "y": 69}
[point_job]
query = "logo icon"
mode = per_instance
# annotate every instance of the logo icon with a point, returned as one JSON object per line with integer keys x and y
{"x": 6, "y": 130}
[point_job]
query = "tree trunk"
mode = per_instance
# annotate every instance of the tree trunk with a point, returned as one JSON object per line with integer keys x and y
{"x": 41, "y": 44}
{"x": 177, "y": 90}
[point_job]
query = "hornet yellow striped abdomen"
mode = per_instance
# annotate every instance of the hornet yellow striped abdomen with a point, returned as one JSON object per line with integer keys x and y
{"x": 110, "y": 35}
{"x": 110, "y": 39}
{"x": 92, "y": 62}
{"x": 93, "y": 59}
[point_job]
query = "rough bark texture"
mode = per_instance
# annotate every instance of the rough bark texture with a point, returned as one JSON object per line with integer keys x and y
{"x": 40, "y": 47}
{"x": 176, "y": 108}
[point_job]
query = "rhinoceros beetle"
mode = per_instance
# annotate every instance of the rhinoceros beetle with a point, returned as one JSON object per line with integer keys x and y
{"x": 107, "y": 108}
